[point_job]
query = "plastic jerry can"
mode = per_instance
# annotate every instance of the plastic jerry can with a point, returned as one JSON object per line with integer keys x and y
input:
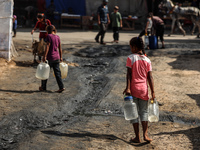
{"x": 146, "y": 40}
{"x": 152, "y": 42}
{"x": 130, "y": 108}
{"x": 43, "y": 70}
{"x": 153, "y": 109}
{"x": 63, "y": 69}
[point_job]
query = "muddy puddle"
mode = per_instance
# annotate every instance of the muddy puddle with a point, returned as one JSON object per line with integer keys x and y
{"x": 98, "y": 76}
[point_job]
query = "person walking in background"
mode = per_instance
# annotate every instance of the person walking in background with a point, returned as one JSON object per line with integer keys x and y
{"x": 116, "y": 20}
{"x": 147, "y": 29}
{"x": 103, "y": 21}
{"x": 53, "y": 54}
{"x": 14, "y": 25}
{"x": 139, "y": 72}
{"x": 158, "y": 28}
{"x": 41, "y": 24}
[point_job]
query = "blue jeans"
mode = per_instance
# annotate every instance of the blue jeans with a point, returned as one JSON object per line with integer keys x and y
{"x": 55, "y": 65}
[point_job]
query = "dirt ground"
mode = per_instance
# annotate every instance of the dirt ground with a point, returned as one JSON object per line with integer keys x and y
{"x": 88, "y": 115}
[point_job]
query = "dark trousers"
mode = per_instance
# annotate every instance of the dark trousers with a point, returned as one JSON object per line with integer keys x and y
{"x": 116, "y": 33}
{"x": 160, "y": 32}
{"x": 14, "y": 29}
{"x": 102, "y": 31}
{"x": 55, "y": 65}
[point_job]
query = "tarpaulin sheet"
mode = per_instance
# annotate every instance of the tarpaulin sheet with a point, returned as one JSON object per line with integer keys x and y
{"x": 6, "y": 11}
{"x": 78, "y": 6}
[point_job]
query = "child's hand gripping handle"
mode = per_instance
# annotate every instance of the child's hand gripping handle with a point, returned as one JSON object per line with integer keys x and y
{"x": 153, "y": 100}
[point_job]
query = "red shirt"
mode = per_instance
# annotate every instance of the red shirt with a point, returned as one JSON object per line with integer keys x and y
{"x": 42, "y": 27}
{"x": 140, "y": 66}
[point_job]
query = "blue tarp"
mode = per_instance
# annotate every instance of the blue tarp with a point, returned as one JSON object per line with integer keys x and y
{"x": 78, "y": 6}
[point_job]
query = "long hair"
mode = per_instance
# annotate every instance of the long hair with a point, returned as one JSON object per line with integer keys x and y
{"x": 138, "y": 42}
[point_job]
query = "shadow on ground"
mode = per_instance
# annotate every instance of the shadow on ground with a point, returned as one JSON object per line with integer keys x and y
{"x": 193, "y": 135}
{"x": 190, "y": 58}
{"x": 92, "y": 135}
{"x": 26, "y": 91}
{"x": 195, "y": 97}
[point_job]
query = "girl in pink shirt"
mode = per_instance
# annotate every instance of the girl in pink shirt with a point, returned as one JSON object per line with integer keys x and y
{"x": 139, "y": 72}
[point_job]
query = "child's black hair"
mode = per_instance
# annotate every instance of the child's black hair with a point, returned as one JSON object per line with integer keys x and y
{"x": 138, "y": 42}
{"x": 41, "y": 16}
{"x": 50, "y": 29}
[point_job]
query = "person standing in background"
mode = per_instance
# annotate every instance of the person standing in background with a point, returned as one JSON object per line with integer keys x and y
{"x": 41, "y": 24}
{"x": 116, "y": 20}
{"x": 147, "y": 30}
{"x": 103, "y": 21}
{"x": 14, "y": 25}
{"x": 158, "y": 28}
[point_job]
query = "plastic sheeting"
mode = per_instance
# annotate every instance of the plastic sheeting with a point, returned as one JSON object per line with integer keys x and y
{"x": 6, "y": 12}
{"x": 78, "y": 6}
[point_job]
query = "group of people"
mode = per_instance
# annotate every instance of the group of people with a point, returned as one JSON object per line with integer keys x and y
{"x": 139, "y": 69}
{"x": 154, "y": 26}
{"x": 104, "y": 19}
{"x": 53, "y": 51}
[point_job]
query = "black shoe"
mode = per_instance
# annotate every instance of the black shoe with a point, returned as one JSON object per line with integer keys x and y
{"x": 60, "y": 90}
{"x": 103, "y": 43}
{"x": 41, "y": 89}
{"x": 97, "y": 40}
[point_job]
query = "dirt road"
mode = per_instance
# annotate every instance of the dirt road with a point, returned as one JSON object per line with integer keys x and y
{"x": 88, "y": 115}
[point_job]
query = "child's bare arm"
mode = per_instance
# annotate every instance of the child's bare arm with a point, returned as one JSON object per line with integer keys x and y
{"x": 127, "y": 91}
{"x": 60, "y": 51}
{"x": 151, "y": 84}
{"x": 46, "y": 52}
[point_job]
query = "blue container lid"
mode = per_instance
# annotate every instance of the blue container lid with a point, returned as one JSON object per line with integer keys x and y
{"x": 128, "y": 98}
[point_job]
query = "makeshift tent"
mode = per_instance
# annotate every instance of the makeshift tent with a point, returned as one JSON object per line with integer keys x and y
{"x": 78, "y": 6}
{"x": 6, "y": 13}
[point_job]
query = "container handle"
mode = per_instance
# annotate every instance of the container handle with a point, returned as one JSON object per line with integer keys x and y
{"x": 153, "y": 100}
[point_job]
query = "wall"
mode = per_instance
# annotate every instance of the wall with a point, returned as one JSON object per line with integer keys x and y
{"x": 6, "y": 12}
{"x": 127, "y": 7}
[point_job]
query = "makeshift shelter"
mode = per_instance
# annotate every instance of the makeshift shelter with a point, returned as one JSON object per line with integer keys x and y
{"x": 77, "y": 6}
{"x": 6, "y": 14}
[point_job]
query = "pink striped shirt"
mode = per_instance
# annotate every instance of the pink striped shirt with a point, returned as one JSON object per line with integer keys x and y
{"x": 140, "y": 66}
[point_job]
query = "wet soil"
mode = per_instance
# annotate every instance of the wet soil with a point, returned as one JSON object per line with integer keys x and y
{"x": 88, "y": 114}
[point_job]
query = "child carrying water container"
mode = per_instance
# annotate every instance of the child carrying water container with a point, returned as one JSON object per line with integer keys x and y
{"x": 53, "y": 54}
{"x": 139, "y": 72}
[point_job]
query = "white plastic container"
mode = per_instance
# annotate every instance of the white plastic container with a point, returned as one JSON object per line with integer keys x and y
{"x": 130, "y": 108}
{"x": 43, "y": 70}
{"x": 146, "y": 40}
{"x": 64, "y": 70}
{"x": 153, "y": 109}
